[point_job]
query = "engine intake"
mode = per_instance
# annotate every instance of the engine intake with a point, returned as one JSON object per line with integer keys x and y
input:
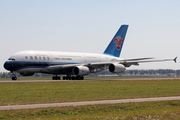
{"x": 81, "y": 70}
{"x": 116, "y": 68}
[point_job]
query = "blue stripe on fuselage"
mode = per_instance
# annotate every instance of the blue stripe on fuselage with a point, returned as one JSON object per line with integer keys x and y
{"x": 17, "y": 65}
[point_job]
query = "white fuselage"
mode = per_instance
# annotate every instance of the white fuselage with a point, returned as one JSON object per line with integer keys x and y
{"x": 38, "y": 60}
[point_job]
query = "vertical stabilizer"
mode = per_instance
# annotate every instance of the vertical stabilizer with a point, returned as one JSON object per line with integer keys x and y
{"x": 115, "y": 46}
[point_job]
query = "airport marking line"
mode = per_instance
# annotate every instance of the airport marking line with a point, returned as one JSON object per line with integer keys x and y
{"x": 30, "y": 106}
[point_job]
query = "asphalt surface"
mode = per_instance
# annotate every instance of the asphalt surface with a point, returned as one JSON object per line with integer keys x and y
{"x": 173, "y": 78}
{"x": 13, "y": 107}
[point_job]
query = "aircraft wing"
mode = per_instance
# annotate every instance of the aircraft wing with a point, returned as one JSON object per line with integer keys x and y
{"x": 55, "y": 69}
{"x": 129, "y": 62}
{"x": 100, "y": 66}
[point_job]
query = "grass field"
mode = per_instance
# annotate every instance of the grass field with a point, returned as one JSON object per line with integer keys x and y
{"x": 166, "y": 110}
{"x": 52, "y": 92}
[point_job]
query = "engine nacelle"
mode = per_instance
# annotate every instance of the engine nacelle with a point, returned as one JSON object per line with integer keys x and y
{"x": 116, "y": 68}
{"x": 27, "y": 74}
{"x": 80, "y": 70}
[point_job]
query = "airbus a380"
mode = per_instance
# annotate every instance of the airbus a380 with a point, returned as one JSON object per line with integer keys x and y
{"x": 74, "y": 65}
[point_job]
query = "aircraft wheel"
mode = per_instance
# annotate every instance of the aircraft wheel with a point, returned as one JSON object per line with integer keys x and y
{"x": 73, "y": 78}
{"x": 77, "y": 77}
{"x": 56, "y": 78}
{"x": 14, "y": 78}
{"x": 53, "y": 78}
{"x": 82, "y": 77}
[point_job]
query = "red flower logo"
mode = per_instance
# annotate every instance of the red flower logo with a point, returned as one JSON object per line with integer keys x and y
{"x": 118, "y": 40}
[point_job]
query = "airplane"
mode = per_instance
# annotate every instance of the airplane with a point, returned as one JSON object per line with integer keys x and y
{"x": 73, "y": 65}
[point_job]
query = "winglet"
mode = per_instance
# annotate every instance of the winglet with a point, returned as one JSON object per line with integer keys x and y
{"x": 175, "y": 59}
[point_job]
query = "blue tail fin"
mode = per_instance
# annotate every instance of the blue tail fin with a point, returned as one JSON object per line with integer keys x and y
{"x": 115, "y": 46}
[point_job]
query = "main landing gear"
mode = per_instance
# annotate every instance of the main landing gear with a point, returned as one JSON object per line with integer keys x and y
{"x": 73, "y": 78}
{"x": 68, "y": 77}
{"x": 14, "y": 76}
{"x": 56, "y": 77}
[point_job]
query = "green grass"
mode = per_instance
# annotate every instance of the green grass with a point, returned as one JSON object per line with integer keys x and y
{"x": 52, "y": 92}
{"x": 68, "y": 91}
{"x": 166, "y": 110}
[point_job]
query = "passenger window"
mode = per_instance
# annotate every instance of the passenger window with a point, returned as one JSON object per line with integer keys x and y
{"x": 48, "y": 58}
{"x": 35, "y": 57}
{"x": 40, "y": 58}
{"x": 26, "y": 57}
{"x": 44, "y": 58}
{"x": 31, "y": 57}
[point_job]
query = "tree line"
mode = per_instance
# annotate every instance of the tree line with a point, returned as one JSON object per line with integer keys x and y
{"x": 150, "y": 72}
{"x": 158, "y": 72}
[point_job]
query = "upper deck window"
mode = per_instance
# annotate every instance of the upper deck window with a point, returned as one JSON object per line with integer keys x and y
{"x": 31, "y": 57}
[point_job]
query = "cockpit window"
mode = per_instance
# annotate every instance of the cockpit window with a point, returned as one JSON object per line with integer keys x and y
{"x": 11, "y": 59}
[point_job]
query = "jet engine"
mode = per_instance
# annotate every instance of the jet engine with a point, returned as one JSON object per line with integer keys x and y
{"x": 116, "y": 68}
{"x": 27, "y": 74}
{"x": 80, "y": 70}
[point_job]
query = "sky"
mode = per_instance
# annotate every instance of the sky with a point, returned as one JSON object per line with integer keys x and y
{"x": 89, "y": 26}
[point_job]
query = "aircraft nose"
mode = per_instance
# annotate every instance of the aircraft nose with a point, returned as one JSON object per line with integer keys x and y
{"x": 7, "y": 66}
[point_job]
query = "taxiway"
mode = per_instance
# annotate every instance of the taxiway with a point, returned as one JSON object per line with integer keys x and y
{"x": 30, "y": 106}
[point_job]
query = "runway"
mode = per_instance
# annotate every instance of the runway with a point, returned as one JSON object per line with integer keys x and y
{"x": 173, "y": 78}
{"x": 13, "y": 107}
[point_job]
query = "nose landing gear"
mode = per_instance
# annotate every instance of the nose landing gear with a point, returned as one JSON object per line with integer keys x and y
{"x": 14, "y": 76}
